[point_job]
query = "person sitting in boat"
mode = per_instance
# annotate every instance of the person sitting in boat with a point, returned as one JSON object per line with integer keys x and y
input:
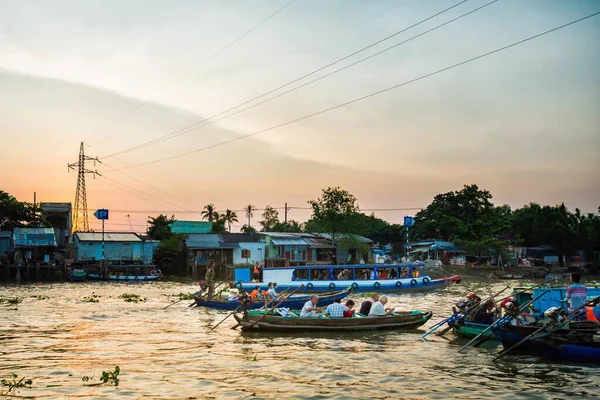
{"x": 415, "y": 273}
{"x": 365, "y": 307}
{"x": 310, "y": 308}
{"x": 405, "y": 273}
{"x": 378, "y": 308}
{"x": 336, "y": 309}
{"x": 344, "y": 275}
{"x": 272, "y": 290}
{"x": 254, "y": 295}
{"x": 485, "y": 314}
{"x": 383, "y": 274}
{"x": 350, "y": 309}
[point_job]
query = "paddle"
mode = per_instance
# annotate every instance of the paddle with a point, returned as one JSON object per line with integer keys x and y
{"x": 277, "y": 305}
{"x": 264, "y": 306}
{"x": 526, "y": 338}
{"x": 504, "y": 319}
{"x": 178, "y": 301}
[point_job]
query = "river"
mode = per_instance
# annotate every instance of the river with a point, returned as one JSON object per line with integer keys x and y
{"x": 56, "y": 339}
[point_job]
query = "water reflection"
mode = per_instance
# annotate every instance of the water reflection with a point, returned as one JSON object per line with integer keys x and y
{"x": 173, "y": 354}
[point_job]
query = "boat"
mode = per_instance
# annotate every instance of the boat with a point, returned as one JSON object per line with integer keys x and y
{"x": 579, "y": 341}
{"x": 78, "y": 275}
{"x": 124, "y": 278}
{"x": 293, "y": 302}
{"x": 396, "y": 278}
{"x": 259, "y": 321}
{"x": 470, "y": 329}
{"x": 554, "y": 297}
{"x": 556, "y": 277}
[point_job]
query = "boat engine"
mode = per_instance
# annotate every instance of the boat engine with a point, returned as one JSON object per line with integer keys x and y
{"x": 554, "y": 314}
{"x": 467, "y": 304}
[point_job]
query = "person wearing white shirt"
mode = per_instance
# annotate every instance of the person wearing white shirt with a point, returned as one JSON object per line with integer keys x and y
{"x": 310, "y": 308}
{"x": 336, "y": 310}
{"x": 378, "y": 308}
{"x": 272, "y": 291}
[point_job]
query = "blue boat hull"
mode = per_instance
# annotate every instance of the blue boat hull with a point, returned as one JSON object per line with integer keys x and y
{"x": 121, "y": 278}
{"x": 383, "y": 286}
{"x": 295, "y": 303}
{"x": 509, "y": 336}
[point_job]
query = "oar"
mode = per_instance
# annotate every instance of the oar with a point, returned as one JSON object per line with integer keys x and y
{"x": 504, "y": 319}
{"x": 551, "y": 329}
{"x": 276, "y": 305}
{"x": 172, "y": 304}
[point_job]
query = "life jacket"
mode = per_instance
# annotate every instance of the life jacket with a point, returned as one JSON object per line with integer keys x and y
{"x": 590, "y": 314}
{"x": 254, "y": 294}
{"x": 256, "y": 270}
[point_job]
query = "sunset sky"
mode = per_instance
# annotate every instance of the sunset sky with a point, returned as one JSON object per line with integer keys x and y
{"x": 523, "y": 123}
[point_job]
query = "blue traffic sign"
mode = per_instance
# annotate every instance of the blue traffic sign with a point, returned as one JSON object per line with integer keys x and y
{"x": 409, "y": 221}
{"x": 101, "y": 214}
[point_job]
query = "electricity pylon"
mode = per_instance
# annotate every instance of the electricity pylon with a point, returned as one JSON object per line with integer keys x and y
{"x": 80, "y": 214}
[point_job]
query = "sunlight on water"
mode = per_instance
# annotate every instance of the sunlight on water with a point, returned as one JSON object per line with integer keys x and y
{"x": 172, "y": 353}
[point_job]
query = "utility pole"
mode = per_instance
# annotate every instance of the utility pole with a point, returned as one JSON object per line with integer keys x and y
{"x": 80, "y": 214}
{"x": 285, "y": 214}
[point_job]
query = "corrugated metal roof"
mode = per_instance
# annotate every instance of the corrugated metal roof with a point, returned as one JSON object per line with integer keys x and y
{"x": 339, "y": 235}
{"x": 319, "y": 243}
{"x": 289, "y": 242}
{"x": 191, "y": 227}
{"x": 34, "y": 237}
{"x": 237, "y": 238}
{"x": 108, "y": 237}
{"x": 204, "y": 241}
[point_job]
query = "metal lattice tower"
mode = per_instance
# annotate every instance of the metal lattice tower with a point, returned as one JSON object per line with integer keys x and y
{"x": 80, "y": 214}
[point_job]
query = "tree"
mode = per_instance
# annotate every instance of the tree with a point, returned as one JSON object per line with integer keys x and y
{"x": 169, "y": 253}
{"x": 159, "y": 228}
{"x": 14, "y": 213}
{"x": 249, "y": 215}
{"x": 270, "y": 219}
{"x": 247, "y": 229}
{"x": 209, "y": 213}
{"x": 333, "y": 211}
{"x": 218, "y": 224}
{"x": 230, "y": 217}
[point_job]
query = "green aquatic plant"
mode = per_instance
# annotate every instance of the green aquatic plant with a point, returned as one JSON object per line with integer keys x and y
{"x": 132, "y": 298}
{"x": 14, "y": 300}
{"x": 111, "y": 377}
{"x": 91, "y": 299}
{"x": 185, "y": 296}
{"x": 40, "y": 297}
{"x": 13, "y": 385}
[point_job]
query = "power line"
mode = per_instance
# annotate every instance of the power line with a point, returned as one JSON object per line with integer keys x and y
{"x": 185, "y": 129}
{"x": 191, "y": 71}
{"x": 362, "y": 97}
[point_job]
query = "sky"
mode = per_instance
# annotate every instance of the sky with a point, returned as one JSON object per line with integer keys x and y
{"x": 522, "y": 123}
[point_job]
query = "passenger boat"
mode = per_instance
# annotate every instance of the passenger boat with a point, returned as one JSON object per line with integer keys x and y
{"x": 257, "y": 320}
{"x": 124, "y": 278}
{"x": 293, "y": 302}
{"x": 579, "y": 342}
{"x": 397, "y": 278}
{"x": 77, "y": 275}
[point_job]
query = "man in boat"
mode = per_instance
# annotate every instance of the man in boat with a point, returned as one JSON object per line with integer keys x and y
{"x": 272, "y": 290}
{"x": 485, "y": 314}
{"x": 210, "y": 279}
{"x": 577, "y": 297}
{"x": 256, "y": 272}
{"x": 350, "y": 309}
{"x": 310, "y": 308}
{"x": 336, "y": 310}
{"x": 378, "y": 308}
{"x": 255, "y": 294}
{"x": 365, "y": 307}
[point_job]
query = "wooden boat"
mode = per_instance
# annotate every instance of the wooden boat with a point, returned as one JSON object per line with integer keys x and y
{"x": 256, "y": 320}
{"x": 294, "y": 302}
{"x": 396, "y": 278}
{"x": 78, "y": 275}
{"x": 579, "y": 342}
{"x": 470, "y": 329}
{"x": 508, "y": 276}
{"x": 124, "y": 278}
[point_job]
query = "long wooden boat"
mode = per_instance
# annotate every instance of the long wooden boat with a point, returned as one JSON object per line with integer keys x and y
{"x": 294, "y": 302}
{"x": 395, "y": 278}
{"x": 470, "y": 329}
{"x": 254, "y": 320}
{"x": 579, "y": 342}
{"x": 124, "y": 278}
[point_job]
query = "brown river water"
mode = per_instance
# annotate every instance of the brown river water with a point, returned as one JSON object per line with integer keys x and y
{"x": 172, "y": 353}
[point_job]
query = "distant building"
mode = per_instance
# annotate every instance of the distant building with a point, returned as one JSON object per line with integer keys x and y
{"x": 60, "y": 217}
{"x": 119, "y": 248}
{"x": 34, "y": 245}
{"x": 6, "y": 244}
{"x": 224, "y": 249}
{"x": 189, "y": 227}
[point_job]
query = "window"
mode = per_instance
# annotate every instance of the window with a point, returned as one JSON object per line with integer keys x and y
{"x": 343, "y": 274}
{"x": 319, "y": 275}
{"x": 245, "y": 253}
{"x": 365, "y": 274}
{"x": 300, "y": 275}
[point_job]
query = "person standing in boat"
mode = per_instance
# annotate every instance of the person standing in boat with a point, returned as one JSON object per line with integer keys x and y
{"x": 310, "y": 308}
{"x": 577, "y": 297}
{"x": 210, "y": 279}
{"x": 378, "y": 308}
{"x": 256, "y": 272}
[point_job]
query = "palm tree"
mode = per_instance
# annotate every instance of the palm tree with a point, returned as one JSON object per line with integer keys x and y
{"x": 230, "y": 217}
{"x": 249, "y": 209}
{"x": 209, "y": 213}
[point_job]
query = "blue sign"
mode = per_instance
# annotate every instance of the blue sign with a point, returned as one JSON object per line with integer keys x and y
{"x": 101, "y": 214}
{"x": 407, "y": 246}
{"x": 409, "y": 221}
